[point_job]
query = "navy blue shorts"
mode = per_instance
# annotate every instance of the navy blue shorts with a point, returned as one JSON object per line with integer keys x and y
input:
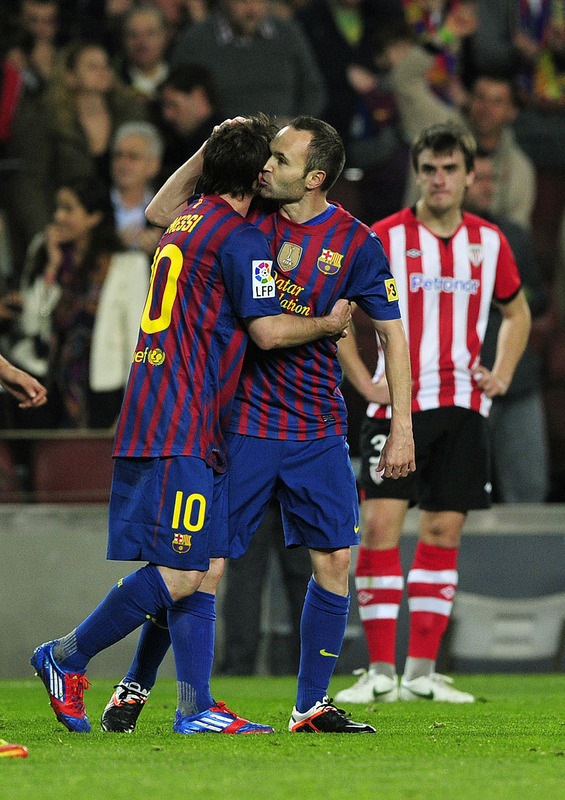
{"x": 313, "y": 481}
{"x": 169, "y": 511}
{"x": 452, "y": 461}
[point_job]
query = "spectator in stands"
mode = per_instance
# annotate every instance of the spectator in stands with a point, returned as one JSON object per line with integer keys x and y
{"x": 492, "y": 110}
{"x": 517, "y": 418}
{"x": 38, "y": 27}
{"x": 540, "y": 43}
{"x": 444, "y": 24}
{"x": 83, "y": 298}
{"x": 68, "y": 133}
{"x": 490, "y": 48}
{"x": 146, "y": 37}
{"x": 261, "y": 62}
{"x": 27, "y": 50}
{"x": 339, "y": 32}
{"x": 137, "y": 152}
{"x": 189, "y": 111}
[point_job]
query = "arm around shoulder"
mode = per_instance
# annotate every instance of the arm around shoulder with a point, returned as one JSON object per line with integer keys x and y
{"x": 291, "y": 330}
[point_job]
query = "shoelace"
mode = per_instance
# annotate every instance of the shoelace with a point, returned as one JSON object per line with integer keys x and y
{"x": 224, "y": 709}
{"x": 329, "y": 704}
{"x": 79, "y": 684}
{"x": 129, "y": 696}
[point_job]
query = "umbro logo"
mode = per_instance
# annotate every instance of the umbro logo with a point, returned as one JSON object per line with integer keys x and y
{"x": 413, "y": 253}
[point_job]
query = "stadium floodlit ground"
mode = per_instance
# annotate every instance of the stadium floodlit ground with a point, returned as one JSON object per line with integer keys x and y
{"x": 509, "y": 745}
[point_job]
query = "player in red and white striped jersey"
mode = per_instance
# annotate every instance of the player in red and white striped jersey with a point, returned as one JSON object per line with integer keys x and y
{"x": 448, "y": 266}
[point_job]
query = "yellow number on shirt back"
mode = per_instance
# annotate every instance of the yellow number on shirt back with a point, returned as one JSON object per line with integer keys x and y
{"x": 160, "y": 323}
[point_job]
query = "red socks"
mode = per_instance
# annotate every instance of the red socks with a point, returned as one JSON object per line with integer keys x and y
{"x": 431, "y": 588}
{"x": 379, "y": 583}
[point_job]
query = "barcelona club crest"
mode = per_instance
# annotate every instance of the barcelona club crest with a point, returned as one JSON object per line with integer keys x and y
{"x": 329, "y": 262}
{"x": 182, "y": 542}
{"x": 289, "y": 256}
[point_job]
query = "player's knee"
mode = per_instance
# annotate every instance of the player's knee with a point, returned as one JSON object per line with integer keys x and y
{"x": 181, "y": 583}
{"x": 213, "y": 576}
{"x": 331, "y": 569}
{"x": 443, "y": 530}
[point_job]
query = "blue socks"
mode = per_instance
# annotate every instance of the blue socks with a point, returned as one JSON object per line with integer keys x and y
{"x": 154, "y": 641}
{"x": 127, "y": 605}
{"x": 191, "y": 626}
{"x": 322, "y": 629}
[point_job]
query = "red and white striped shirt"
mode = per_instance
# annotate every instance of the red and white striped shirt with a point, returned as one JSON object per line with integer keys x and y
{"x": 445, "y": 292}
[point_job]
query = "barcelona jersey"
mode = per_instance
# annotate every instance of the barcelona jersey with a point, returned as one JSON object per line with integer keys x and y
{"x": 211, "y": 268}
{"x": 293, "y": 393}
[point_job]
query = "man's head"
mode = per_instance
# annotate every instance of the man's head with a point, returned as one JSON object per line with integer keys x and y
{"x": 308, "y": 154}
{"x": 480, "y": 193}
{"x": 245, "y": 16}
{"x": 137, "y": 150}
{"x": 189, "y": 96}
{"x": 146, "y": 36}
{"x": 234, "y": 156}
{"x": 493, "y": 105}
{"x": 40, "y": 19}
{"x": 443, "y": 158}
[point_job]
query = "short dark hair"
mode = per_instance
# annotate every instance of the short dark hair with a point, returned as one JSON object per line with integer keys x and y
{"x": 325, "y": 151}
{"x": 443, "y": 139}
{"x": 235, "y": 155}
{"x": 498, "y": 76}
{"x": 390, "y": 33}
{"x": 187, "y": 77}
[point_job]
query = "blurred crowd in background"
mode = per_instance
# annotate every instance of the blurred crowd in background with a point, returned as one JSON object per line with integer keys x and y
{"x": 100, "y": 100}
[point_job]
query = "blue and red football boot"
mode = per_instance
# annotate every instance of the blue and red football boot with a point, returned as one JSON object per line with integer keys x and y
{"x": 65, "y": 689}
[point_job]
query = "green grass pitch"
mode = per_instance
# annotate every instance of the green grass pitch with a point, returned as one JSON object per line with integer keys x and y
{"x": 509, "y": 745}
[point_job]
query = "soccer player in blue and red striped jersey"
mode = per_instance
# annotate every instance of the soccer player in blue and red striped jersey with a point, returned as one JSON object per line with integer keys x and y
{"x": 211, "y": 286}
{"x": 286, "y": 432}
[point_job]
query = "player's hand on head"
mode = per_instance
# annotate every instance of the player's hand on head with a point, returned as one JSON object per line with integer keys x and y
{"x": 230, "y": 121}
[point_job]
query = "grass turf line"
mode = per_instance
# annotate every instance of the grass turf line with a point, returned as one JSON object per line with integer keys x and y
{"x": 508, "y": 745}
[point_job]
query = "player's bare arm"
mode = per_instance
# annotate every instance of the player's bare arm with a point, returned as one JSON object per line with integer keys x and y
{"x": 357, "y": 373}
{"x": 512, "y": 340}
{"x": 397, "y": 458}
{"x": 172, "y": 196}
{"x": 290, "y": 330}
{"x": 22, "y": 386}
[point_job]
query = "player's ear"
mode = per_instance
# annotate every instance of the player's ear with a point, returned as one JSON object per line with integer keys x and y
{"x": 315, "y": 178}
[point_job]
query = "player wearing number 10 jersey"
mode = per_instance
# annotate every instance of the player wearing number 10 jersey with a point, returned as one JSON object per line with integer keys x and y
{"x": 211, "y": 268}
{"x": 286, "y": 433}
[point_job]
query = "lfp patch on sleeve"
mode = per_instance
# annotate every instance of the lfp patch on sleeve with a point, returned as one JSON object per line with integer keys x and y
{"x": 391, "y": 290}
{"x": 263, "y": 280}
